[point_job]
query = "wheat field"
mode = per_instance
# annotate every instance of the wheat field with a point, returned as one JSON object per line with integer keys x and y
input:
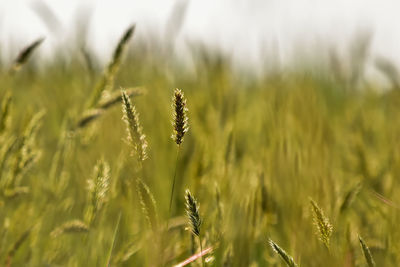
{"x": 114, "y": 166}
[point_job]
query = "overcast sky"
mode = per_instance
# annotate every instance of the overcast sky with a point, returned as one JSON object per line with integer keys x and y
{"x": 246, "y": 28}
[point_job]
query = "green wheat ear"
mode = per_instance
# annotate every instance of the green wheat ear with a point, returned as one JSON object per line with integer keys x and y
{"x": 99, "y": 185}
{"x": 180, "y": 121}
{"x": 367, "y": 253}
{"x": 324, "y": 228}
{"x": 148, "y": 202}
{"x": 106, "y": 82}
{"x": 285, "y": 257}
{"x": 24, "y": 55}
{"x": 74, "y": 226}
{"x": 88, "y": 116}
{"x": 192, "y": 211}
{"x": 5, "y": 111}
{"x": 136, "y": 137}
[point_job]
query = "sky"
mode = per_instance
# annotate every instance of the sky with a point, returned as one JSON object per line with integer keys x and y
{"x": 246, "y": 29}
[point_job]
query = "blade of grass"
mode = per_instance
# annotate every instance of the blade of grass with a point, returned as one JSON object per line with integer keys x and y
{"x": 113, "y": 241}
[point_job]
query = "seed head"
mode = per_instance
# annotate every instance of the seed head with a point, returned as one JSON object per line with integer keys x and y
{"x": 324, "y": 228}
{"x": 192, "y": 211}
{"x": 99, "y": 184}
{"x": 180, "y": 122}
{"x": 283, "y": 254}
{"x": 135, "y": 135}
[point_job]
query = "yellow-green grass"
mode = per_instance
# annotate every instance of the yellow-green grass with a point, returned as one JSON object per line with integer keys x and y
{"x": 257, "y": 150}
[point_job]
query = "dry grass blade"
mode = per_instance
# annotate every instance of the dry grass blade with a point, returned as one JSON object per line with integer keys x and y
{"x": 24, "y": 55}
{"x": 367, "y": 253}
{"x": 384, "y": 199}
{"x": 136, "y": 137}
{"x": 285, "y": 257}
{"x": 324, "y": 228}
{"x": 194, "y": 257}
{"x": 74, "y": 226}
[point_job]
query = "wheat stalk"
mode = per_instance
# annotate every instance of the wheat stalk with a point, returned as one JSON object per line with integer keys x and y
{"x": 180, "y": 124}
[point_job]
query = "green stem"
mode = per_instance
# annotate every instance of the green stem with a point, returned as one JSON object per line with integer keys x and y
{"x": 110, "y": 251}
{"x": 201, "y": 251}
{"x": 173, "y": 187}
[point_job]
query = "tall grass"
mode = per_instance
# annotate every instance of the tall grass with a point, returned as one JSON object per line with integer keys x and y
{"x": 258, "y": 149}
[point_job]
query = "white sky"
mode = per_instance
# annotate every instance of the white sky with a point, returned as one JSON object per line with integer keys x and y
{"x": 246, "y": 28}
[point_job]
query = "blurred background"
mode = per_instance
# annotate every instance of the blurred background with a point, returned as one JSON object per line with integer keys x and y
{"x": 249, "y": 31}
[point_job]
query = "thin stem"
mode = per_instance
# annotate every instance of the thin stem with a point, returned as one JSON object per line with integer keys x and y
{"x": 201, "y": 252}
{"x": 170, "y": 200}
{"x": 173, "y": 186}
{"x": 110, "y": 251}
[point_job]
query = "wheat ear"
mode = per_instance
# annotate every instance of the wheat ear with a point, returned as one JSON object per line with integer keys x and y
{"x": 285, "y": 257}
{"x": 192, "y": 211}
{"x": 367, "y": 253}
{"x": 135, "y": 133}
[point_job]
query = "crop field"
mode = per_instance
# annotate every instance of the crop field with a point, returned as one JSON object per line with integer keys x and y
{"x": 145, "y": 162}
